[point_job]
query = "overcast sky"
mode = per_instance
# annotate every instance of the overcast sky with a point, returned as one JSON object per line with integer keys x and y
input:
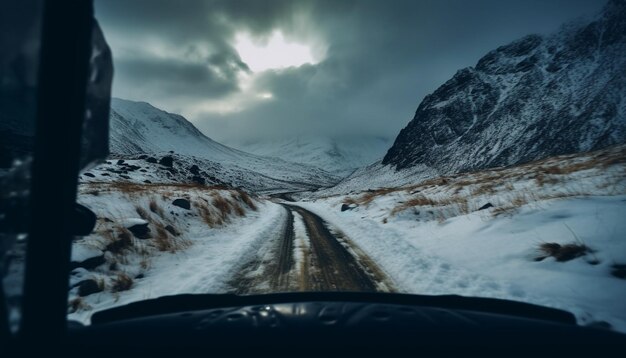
{"x": 358, "y": 67}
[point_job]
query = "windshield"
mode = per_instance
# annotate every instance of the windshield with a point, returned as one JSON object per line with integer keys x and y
{"x": 450, "y": 147}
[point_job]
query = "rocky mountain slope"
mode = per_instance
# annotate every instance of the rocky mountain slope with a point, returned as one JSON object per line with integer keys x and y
{"x": 138, "y": 128}
{"x": 536, "y": 97}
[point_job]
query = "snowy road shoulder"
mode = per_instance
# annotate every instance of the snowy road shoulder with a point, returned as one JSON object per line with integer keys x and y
{"x": 480, "y": 255}
{"x": 219, "y": 236}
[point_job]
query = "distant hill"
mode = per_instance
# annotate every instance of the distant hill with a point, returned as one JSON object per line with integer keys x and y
{"x": 140, "y": 128}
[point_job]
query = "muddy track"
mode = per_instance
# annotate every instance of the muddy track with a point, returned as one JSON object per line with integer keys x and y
{"x": 332, "y": 266}
{"x": 279, "y": 278}
{"x": 331, "y": 262}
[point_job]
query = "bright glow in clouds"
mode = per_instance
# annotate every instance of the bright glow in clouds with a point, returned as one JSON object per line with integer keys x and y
{"x": 276, "y": 53}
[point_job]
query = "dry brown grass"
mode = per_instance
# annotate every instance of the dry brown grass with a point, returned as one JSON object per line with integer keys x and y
{"x": 165, "y": 241}
{"x": 349, "y": 201}
{"x": 144, "y": 264}
{"x": 206, "y": 216}
{"x": 77, "y": 304}
{"x": 463, "y": 206}
{"x": 223, "y": 206}
{"x": 247, "y": 200}
{"x": 543, "y": 179}
{"x": 436, "y": 182}
{"x": 122, "y": 282}
{"x": 238, "y": 209}
{"x": 162, "y": 239}
{"x": 120, "y": 243}
{"x": 459, "y": 202}
{"x": 484, "y": 189}
{"x": 562, "y": 253}
{"x": 155, "y": 208}
{"x": 368, "y": 196}
{"x": 501, "y": 210}
{"x": 420, "y": 200}
{"x": 142, "y": 213}
{"x": 519, "y": 200}
{"x": 513, "y": 205}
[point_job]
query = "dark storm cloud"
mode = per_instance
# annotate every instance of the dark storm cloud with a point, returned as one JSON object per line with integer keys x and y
{"x": 381, "y": 57}
{"x": 188, "y": 81}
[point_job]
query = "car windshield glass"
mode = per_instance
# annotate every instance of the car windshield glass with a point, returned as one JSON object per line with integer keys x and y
{"x": 20, "y": 24}
{"x": 450, "y": 147}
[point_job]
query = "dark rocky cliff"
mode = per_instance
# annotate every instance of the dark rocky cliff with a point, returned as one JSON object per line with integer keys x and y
{"x": 536, "y": 97}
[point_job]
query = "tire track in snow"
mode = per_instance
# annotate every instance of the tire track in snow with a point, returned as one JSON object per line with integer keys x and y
{"x": 329, "y": 262}
{"x": 335, "y": 264}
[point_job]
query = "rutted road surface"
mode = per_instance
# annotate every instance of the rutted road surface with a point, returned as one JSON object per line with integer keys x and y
{"x": 324, "y": 260}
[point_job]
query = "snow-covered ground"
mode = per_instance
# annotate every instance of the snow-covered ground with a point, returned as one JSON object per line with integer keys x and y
{"x": 475, "y": 234}
{"x": 195, "y": 250}
{"x": 145, "y": 168}
{"x": 431, "y": 237}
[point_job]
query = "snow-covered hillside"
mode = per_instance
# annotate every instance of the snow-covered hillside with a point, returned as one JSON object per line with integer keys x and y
{"x": 161, "y": 239}
{"x": 549, "y": 232}
{"x": 139, "y": 128}
{"x": 340, "y": 156}
{"x": 536, "y": 97}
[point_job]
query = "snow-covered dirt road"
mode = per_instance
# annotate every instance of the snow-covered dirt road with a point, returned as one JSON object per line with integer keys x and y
{"x": 310, "y": 256}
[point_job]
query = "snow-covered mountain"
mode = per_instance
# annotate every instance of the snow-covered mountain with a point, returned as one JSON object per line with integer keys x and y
{"x": 536, "y": 97}
{"x": 340, "y": 156}
{"x": 140, "y": 128}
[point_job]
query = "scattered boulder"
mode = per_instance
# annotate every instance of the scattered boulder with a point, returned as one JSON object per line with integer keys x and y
{"x": 345, "y": 207}
{"x": 171, "y": 230}
{"x": 486, "y": 206}
{"x": 140, "y": 230}
{"x": 198, "y": 179}
{"x": 619, "y": 271}
{"x": 151, "y": 160}
{"x": 89, "y": 175}
{"x": 88, "y": 287}
{"x": 120, "y": 244}
{"x": 89, "y": 263}
{"x": 143, "y": 156}
{"x": 194, "y": 169}
{"x": 182, "y": 203}
{"x": 167, "y": 161}
{"x": 120, "y": 162}
{"x": 105, "y": 174}
{"x": 83, "y": 220}
{"x": 147, "y": 181}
